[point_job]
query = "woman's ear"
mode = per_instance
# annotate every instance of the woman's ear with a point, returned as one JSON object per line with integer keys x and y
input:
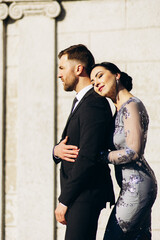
{"x": 118, "y": 75}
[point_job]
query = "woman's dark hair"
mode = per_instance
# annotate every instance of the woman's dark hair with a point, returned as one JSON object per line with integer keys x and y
{"x": 125, "y": 79}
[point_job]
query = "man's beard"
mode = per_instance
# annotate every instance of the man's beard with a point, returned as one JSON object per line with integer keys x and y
{"x": 71, "y": 87}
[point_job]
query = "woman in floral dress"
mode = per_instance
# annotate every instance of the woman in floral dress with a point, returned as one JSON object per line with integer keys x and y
{"x": 131, "y": 216}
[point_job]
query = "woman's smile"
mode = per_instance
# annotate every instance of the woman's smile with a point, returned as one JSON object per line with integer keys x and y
{"x": 101, "y": 88}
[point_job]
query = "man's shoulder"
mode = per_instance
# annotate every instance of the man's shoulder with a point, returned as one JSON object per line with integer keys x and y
{"x": 95, "y": 98}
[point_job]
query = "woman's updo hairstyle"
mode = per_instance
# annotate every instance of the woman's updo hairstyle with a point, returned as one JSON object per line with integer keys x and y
{"x": 125, "y": 79}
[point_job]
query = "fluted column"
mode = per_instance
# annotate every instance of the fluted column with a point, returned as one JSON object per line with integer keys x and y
{"x": 29, "y": 118}
{"x": 1, "y": 128}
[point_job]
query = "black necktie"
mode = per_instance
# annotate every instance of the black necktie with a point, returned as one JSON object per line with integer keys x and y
{"x": 73, "y": 104}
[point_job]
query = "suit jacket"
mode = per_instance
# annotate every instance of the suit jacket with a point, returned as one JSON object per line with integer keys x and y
{"x": 87, "y": 179}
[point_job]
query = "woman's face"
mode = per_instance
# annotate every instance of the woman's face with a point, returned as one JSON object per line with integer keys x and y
{"x": 104, "y": 82}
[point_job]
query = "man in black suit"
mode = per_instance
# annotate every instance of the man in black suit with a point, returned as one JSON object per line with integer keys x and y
{"x": 86, "y": 184}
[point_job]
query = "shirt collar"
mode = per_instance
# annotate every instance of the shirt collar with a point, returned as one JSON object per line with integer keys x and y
{"x": 81, "y": 94}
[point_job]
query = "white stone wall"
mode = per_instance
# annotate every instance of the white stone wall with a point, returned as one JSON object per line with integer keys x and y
{"x": 27, "y": 115}
{"x": 126, "y": 32}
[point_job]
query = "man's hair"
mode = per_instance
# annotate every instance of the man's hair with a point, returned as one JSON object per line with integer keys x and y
{"x": 81, "y": 53}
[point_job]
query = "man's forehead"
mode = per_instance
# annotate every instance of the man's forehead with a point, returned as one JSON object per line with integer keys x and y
{"x": 62, "y": 61}
{"x": 65, "y": 61}
{"x": 63, "y": 58}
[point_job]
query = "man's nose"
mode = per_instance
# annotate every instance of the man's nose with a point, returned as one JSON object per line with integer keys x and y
{"x": 59, "y": 75}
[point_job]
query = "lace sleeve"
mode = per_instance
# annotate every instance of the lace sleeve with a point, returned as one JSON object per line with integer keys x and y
{"x": 134, "y": 135}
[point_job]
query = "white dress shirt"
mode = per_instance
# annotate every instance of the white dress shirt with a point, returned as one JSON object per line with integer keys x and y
{"x": 81, "y": 94}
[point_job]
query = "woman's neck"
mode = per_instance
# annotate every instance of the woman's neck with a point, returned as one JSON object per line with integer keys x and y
{"x": 122, "y": 96}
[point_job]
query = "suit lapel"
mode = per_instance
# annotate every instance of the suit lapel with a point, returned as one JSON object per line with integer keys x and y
{"x": 78, "y": 106}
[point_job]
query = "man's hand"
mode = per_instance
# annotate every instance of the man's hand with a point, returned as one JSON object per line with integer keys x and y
{"x": 66, "y": 152}
{"x": 60, "y": 213}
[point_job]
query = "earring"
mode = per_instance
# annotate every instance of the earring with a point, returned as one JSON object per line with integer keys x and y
{"x": 117, "y": 81}
{"x": 117, "y": 87}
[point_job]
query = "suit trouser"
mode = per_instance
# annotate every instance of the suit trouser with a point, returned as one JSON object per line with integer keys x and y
{"x": 82, "y": 221}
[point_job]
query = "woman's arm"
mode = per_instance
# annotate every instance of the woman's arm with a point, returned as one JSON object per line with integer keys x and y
{"x": 134, "y": 136}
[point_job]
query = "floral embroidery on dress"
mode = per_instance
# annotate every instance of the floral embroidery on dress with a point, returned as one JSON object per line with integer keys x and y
{"x": 126, "y": 113}
{"x": 124, "y": 224}
{"x": 130, "y": 136}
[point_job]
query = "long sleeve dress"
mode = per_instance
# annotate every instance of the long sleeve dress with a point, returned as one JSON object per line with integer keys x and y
{"x": 132, "y": 212}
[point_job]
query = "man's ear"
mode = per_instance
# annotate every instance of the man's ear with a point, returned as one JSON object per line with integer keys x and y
{"x": 79, "y": 69}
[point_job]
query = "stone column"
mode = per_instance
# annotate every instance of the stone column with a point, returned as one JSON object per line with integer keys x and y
{"x": 3, "y": 15}
{"x": 1, "y": 122}
{"x": 29, "y": 116}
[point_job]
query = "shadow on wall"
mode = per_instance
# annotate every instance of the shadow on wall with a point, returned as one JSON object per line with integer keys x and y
{"x": 63, "y": 12}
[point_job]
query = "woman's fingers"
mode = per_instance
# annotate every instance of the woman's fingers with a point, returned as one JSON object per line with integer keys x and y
{"x": 70, "y": 151}
{"x": 68, "y": 155}
{"x": 69, "y": 159}
{"x": 71, "y": 147}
